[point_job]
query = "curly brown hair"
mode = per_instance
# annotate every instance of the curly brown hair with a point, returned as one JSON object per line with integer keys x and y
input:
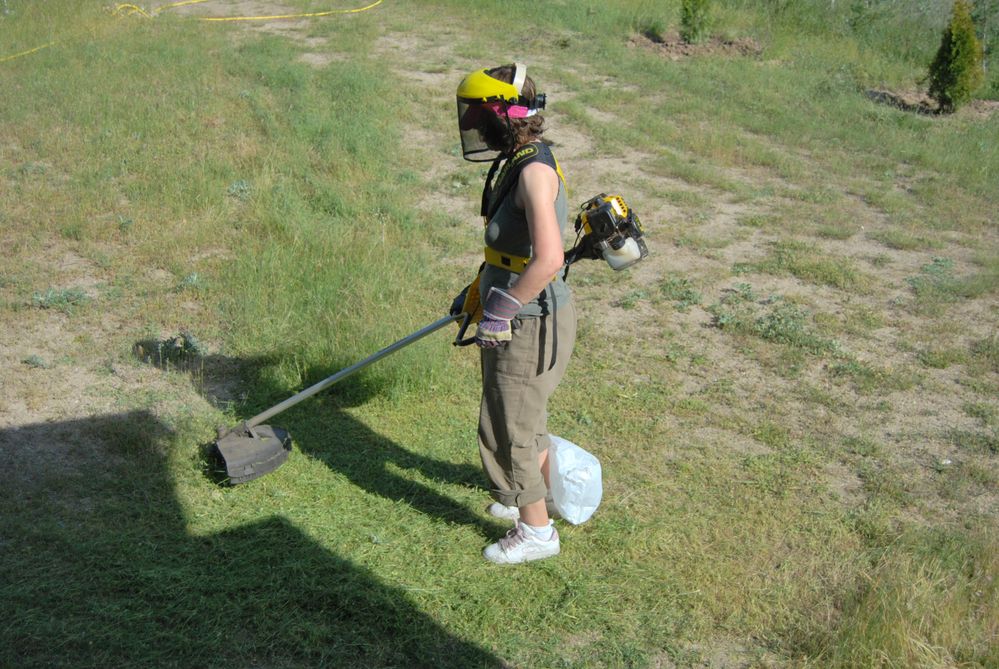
{"x": 527, "y": 129}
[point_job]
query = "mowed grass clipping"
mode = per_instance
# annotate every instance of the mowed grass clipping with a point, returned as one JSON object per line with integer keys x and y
{"x": 763, "y": 504}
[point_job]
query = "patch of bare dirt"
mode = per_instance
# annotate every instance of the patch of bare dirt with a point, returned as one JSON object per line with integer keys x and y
{"x": 919, "y": 102}
{"x": 673, "y": 47}
{"x": 292, "y": 28}
{"x": 911, "y": 101}
{"x": 982, "y": 108}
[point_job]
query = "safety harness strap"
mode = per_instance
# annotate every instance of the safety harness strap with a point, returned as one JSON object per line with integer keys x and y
{"x": 505, "y": 183}
{"x": 508, "y": 178}
{"x": 505, "y": 261}
{"x": 510, "y": 175}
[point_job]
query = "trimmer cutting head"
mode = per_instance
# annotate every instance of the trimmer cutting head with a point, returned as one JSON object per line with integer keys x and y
{"x": 250, "y": 452}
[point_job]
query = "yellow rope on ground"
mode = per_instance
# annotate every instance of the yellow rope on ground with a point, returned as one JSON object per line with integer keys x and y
{"x": 178, "y": 4}
{"x": 127, "y": 9}
{"x": 25, "y": 53}
{"x": 302, "y": 15}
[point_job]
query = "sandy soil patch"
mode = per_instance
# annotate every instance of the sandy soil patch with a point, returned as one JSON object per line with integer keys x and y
{"x": 673, "y": 47}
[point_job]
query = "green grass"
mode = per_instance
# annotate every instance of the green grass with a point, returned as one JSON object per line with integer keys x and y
{"x": 870, "y": 378}
{"x": 771, "y": 319}
{"x": 809, "y": 264}
{"x": 939, "y": 579}
{"x": 680, "y": 292}
{"x": 937, "y": 283}
{"x": 903, "y": 240}
{"x": 197, "y": 223}
{"x": 987, "y": 350}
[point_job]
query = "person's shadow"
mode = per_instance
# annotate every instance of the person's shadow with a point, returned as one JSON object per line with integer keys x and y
{"x": 322, "y": 429}
{"x": 99, "y": 569}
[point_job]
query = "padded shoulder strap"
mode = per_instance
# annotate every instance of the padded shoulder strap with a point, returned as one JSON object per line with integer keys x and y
{"x": 508, "y": 176}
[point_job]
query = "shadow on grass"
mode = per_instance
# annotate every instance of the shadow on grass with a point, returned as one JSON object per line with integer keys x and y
{"x": 101, "y": 571}
{"x": 913, "y": 103}
{"x": 322, "y": 429}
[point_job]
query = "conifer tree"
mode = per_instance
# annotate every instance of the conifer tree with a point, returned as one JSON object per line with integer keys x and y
{"x": 957, "y": 70}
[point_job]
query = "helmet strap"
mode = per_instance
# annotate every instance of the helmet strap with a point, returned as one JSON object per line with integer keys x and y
{"x": 519, "y": 76}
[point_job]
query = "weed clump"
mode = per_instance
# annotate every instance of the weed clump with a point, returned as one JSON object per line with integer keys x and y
{"x": 36, "y": 362}
{"x": 192, "y": 281}
{"x": 867, "y": 379}
{"x": 803, "y": 261}
{"x": 169, "y": 352}
{"x": 694, "y": 21}
{"x": 778, "y": 321}
{"x": 64, "y": 299}
{"x": 935, "y": 284}
{"x": 680, "y": 291}
{"x": 631, "y": 300}
{"x": 241, "y": 190}
{"x": 956, "y": 71}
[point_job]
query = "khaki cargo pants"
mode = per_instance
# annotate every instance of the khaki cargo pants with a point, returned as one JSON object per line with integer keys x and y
{"x": 517, "y": 380}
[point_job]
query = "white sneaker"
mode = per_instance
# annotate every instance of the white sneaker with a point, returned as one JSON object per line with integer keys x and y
{"x": 497, "y": 510}
{"x": 521, "y": 545}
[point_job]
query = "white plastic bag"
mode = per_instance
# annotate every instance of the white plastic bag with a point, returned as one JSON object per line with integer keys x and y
{"x": 575, "y": 480}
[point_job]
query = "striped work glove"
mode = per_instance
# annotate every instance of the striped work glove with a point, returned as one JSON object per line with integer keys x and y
{"x": 494, "y": 328}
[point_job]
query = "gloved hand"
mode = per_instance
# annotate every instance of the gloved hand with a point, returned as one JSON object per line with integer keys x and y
{"x": 494, "y": 329}
{"x": 459, "y": 302}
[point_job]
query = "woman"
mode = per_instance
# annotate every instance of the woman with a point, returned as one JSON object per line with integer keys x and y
{"x": 528, "y": 327}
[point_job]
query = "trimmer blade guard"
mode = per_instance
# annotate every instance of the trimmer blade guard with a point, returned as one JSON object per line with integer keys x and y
{"x": 251, "y": 453}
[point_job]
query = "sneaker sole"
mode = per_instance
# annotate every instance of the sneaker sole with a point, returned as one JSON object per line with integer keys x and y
{"x": 533, "y": 558}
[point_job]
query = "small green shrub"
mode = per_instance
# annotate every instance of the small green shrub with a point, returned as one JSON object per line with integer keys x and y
{"x": 694, "y": 21}
{"x": 168, "y": 352}
{"x": 956, "y": 71}
{"x": 63, "y": 299}
{"x": 36, "y": 362}
{"x": 934, "y": 277}
{"x": 631, "y": 300}
{"x": 680, "y": 291}
{"x": 786, "y": 324}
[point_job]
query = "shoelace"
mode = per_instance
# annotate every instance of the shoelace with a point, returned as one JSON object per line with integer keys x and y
{"x": 514, "y": 537}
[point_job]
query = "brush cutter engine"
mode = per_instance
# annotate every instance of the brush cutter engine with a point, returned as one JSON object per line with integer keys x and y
{"x": 611, "y": 230}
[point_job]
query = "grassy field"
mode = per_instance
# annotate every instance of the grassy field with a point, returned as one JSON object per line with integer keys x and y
{"x": 794, "y": 399}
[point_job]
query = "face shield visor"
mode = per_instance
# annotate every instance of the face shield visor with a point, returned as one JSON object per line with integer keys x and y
{"x": 485, "y": 129}
{"x": 485, "y": 107}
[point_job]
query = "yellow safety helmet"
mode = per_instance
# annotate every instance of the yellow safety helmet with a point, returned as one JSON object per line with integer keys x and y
{"x": 485, "y": 106}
